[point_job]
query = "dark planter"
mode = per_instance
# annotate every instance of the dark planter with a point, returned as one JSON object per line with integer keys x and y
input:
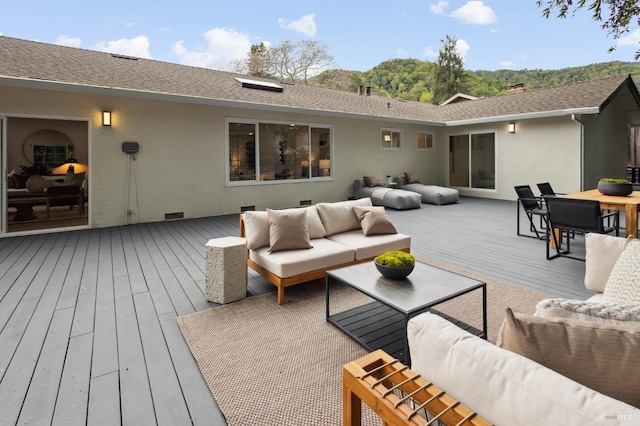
{"x": 394, "y": 273}
{"x": 618, "y": 189}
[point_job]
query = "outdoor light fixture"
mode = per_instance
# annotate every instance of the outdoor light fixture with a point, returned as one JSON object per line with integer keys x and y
{"x": 512, "y": 127}
{"x": 106, "y": 118}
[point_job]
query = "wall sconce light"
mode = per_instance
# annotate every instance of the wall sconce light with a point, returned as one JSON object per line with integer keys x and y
{"x": 512, "y": 127}
{"x": 106, "y": 118}
{"x": 325, "y": 165}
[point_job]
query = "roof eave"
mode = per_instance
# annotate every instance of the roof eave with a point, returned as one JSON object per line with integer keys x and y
{"x": 523, "y": 116}
{"x": 170, "y": 97}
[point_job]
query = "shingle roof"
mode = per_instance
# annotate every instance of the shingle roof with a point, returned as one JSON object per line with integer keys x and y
{"x": 65, "y": 68}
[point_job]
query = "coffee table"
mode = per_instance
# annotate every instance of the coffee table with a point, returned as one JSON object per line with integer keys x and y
{"x": 382, "y": 324}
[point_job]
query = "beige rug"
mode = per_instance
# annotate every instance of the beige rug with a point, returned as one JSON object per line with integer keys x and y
{"x": 282, "y": 365}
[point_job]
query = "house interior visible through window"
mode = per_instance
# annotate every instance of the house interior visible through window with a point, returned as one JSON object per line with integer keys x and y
{"x": 424, "y": 141}
{"x": 390, "y": 138}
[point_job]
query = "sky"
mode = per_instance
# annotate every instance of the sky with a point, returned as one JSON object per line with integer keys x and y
{"x": 492, "y": 35}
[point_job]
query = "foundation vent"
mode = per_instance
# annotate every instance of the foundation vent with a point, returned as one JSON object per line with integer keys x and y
{"x": 305, "y": 203}
{"x": 247, "y": 208}
{"x": 172, "y": 216}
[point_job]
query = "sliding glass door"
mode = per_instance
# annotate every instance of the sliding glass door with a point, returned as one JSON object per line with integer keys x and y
{"x": 472, "y": 160}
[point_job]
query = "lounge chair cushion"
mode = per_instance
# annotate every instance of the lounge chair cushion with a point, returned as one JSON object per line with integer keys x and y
{"x": 503, "y": 387}
{"x": 623, "y": 285}
{"x": 288, "y": 230}
{"x": 603, "y": 357}
{"x": 433, "y": 194}
{"x": 602, "y": 251}
{"x": 374, "y": 220}
{"x": 370, "y": 246}
{"x": 324, "y": 254}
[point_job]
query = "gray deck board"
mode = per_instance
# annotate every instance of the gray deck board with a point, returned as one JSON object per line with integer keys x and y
{"x": 87, "y": 318}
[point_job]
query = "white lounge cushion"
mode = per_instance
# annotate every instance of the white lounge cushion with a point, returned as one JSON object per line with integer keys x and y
{"x": 370, "y": 246}
{"x": 324, "y": 254}
{"x": 339, "y": 217}
{"x": 503, "y": 387}
{"x": 602, "y": 251}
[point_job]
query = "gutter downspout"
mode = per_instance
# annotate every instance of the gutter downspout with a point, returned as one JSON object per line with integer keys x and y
{"x": 577, "y": 120}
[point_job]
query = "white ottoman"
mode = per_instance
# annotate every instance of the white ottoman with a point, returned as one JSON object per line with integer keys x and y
{"x": 226, "y": 264}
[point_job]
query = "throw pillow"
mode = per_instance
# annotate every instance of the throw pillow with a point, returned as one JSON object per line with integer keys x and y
{"x": 256, "y": 229}
{"x": 603, "y": 357}
{"x": 602, "y": 251}
{"x": 374, "y": 220}
{"x": 623, "y": 285}
{"x": 602, "y": 312}
{"x": 411, "y": 177}
{"x": 288, "y": 230}
{"x": 372, "y": 181}
{"x": 71, "y": 179}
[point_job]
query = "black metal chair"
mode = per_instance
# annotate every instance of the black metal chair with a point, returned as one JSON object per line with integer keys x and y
{"x": 532, "y": 206}
{"x": 568, "y": 215}
{"x": 546, "y": 190}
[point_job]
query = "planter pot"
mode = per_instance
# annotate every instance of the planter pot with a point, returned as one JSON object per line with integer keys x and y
{"x": 618, "y": 189}
{"x": 394, "y": 273}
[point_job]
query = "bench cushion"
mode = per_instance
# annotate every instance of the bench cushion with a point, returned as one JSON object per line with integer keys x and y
{"x": 366, "y": 247}
{"x": 324, "y": 254}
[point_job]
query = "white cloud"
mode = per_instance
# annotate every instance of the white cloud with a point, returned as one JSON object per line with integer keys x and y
{"x": 462, "y": 47}
{"x": 223, "y": 46}
{"x": 402, "y": 53}
{"x": 475, "y": 12}
{"x": 507, "y": 64}
{"x": 429, "y": 52}
{"x": 630, "y": 40}
{"x": 439, "y": 7}
{"x": 64, "y": 40}
{"x": 305, "y": 25}
{"x": 138, "y": 47}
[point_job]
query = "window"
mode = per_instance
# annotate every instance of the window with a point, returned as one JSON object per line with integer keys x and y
{"x": 390, "y": 139}
{"x": 271, "y": 151}
{"x": 472, "y": 160}
{"x": 51, "y": 155}
{"x": 424, "y": 141}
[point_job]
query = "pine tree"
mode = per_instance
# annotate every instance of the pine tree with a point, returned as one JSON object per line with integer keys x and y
{"x": 450, "y": 76}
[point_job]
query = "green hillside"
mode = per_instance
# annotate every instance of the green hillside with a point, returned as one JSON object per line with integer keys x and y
{"x": 413, "y": 79}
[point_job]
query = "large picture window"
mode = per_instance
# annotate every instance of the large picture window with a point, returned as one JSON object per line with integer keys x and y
{"x": 272, "y": 151}
{"x": 472, "y": 160}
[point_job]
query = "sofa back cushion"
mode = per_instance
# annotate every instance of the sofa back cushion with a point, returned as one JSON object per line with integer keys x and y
{"x": 603, "y": 357}
{"x": 339, "y": 217}
{"x": 256, "y": 224}
{"x": 602, "y": 251}
{"x": 503, "y": 387}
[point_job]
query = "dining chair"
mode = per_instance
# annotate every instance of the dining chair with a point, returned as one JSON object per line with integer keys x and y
{"x": 546, "y": 190}
{"x": 567, "y": 215}
{"x": 532, "y": 206}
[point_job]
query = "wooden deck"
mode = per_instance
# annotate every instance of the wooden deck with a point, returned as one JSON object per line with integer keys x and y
{"x": 87, "y": 318}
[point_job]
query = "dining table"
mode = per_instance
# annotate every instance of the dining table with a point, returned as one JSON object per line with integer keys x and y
{"x": 629, "y": 204}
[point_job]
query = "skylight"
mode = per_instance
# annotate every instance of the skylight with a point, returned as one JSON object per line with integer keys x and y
{"x": 260, "y": 85}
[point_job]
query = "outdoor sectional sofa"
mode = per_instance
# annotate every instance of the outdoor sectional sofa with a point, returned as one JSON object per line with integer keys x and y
{"x": 337, "y": 234}
{"x": 573, "y": 362}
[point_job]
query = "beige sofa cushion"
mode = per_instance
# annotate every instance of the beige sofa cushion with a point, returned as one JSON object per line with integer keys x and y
{"x": 603, "y": 357}
{"x": 503, "y": 387}
{"x": 339, "y": 217}
{"x": 367, "y": 247}
{"x": 602, "y": 312}
{"x": 288, "y": 230}
{"x": 374, "y": 220}
{"x": 256, "y": 225}
{"x": 324, "y": 254}
{"x": 623, "y": 285}
{"x": 602, "y": 251}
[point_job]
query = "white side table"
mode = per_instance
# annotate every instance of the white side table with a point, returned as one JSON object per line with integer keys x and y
{"x": 226, "y": 266}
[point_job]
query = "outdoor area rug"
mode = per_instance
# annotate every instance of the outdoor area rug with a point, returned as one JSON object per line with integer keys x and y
{"x": 271, "y": 364}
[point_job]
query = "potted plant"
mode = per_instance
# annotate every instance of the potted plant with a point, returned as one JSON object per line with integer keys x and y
{"x": 614, "y": 186}
{"x": 395, "y": 264}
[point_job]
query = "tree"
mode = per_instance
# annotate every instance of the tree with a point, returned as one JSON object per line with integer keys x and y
{"x": 289, "y": 61}
{"x": 620, "y": 14}
{"x": 450, "y": 76}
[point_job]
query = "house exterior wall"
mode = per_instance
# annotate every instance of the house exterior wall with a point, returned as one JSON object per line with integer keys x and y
{"x": 541, "y": 150}
{"x": 181, "y": 163}
{"x": 606, "y": 139}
